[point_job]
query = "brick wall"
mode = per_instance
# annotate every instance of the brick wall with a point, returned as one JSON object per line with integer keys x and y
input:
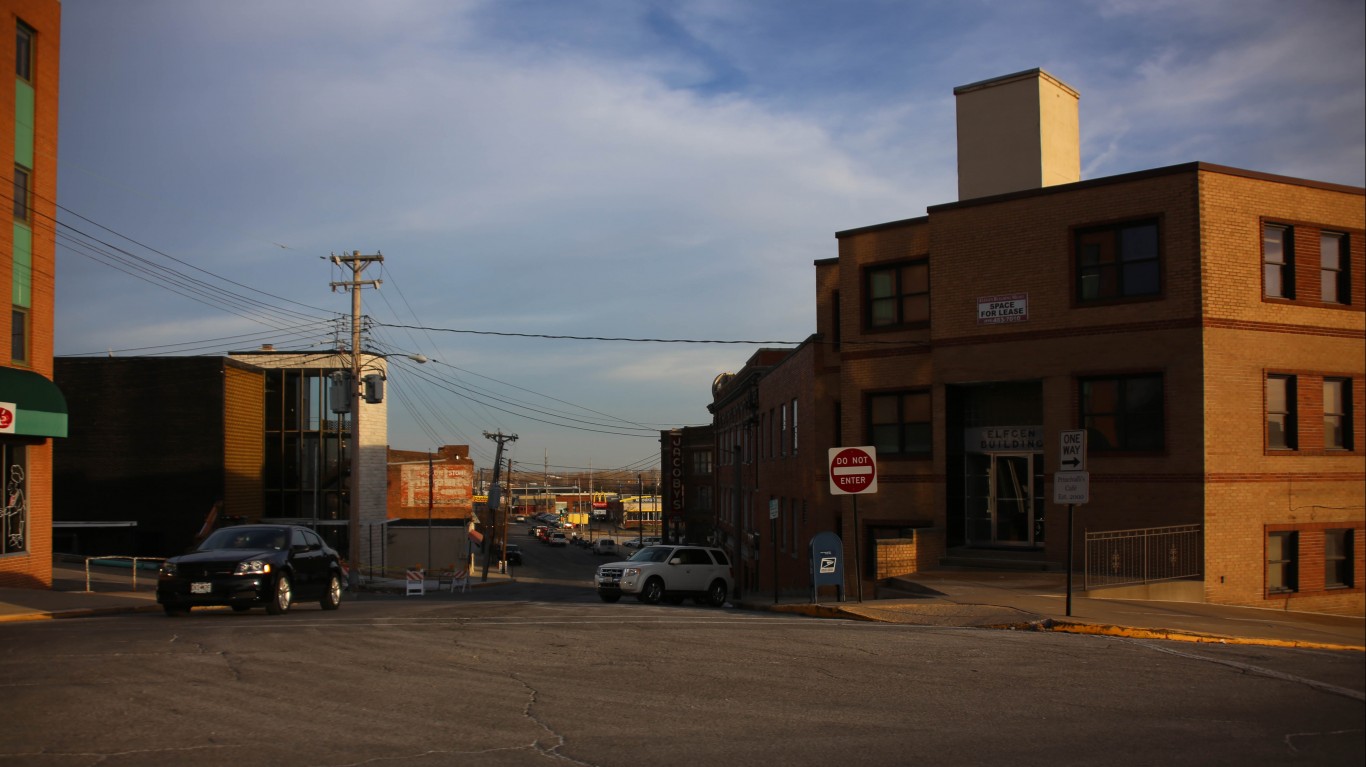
{"x": 34, "y": 568}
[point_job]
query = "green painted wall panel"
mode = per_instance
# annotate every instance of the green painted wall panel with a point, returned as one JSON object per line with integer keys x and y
{"x": 23, "y": 124}
{"x": 23, "y": 265}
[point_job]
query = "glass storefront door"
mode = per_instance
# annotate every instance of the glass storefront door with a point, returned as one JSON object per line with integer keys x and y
{"x": 1004, "y": 499}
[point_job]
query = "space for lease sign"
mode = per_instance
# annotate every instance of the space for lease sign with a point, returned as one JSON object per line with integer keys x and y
{"x": 996, "y": 310}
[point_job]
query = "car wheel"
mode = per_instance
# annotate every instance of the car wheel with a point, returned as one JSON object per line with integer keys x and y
{"x": 279, "y": 601}
{"x": 332, "y": 597}
{"x": 716, "y": 594}
{"x": 652, "y": 592}
{"x": 174, "y": 610}
{"x": 609, "y": 597}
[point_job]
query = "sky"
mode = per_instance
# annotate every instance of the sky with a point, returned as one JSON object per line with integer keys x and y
{"x": 543, "y": 174}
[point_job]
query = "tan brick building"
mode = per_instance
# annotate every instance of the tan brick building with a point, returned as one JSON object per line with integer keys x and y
{"x": 1203, "y": 325}
{"x": 32, "y": 409}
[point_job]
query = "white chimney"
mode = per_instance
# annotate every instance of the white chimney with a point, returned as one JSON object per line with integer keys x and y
{"x": 1016, "y": 132}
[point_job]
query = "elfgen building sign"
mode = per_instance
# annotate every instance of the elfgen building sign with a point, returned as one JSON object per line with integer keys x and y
{"x": 675, "y": 475}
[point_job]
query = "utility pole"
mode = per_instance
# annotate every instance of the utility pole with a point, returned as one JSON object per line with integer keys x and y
{"x": 501, "y": 439}
{"x": 357, "y": 264}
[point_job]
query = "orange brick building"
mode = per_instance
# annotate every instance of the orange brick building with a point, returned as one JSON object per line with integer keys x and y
{"x": 32, "y": 409}
{"x": 1202, "y": 325}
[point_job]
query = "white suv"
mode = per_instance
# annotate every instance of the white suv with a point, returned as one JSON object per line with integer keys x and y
{"x": 670, "y": 573}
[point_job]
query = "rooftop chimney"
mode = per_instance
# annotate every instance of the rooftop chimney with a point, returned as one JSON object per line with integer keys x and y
{"x": 1016, "y": 132}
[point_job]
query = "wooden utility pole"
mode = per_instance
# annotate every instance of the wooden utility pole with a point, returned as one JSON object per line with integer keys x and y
{"x": 501, "y": 439}
{"x": 357, "y": 264}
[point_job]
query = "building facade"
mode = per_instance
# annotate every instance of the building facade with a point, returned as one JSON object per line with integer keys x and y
{"x": 32, "y": 409}
{"x": 1202, "y": 325}
{"x": 160, "y": 448}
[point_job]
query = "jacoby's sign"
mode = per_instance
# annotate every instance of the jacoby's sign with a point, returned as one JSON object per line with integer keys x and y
{"x": 997, "y": 310}
{"x": 7, "y": 410}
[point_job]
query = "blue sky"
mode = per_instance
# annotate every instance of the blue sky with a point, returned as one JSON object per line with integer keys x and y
{"x": 600, "y": 168}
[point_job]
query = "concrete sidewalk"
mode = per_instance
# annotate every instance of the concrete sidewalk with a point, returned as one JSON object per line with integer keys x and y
{"x": 1037, "y": 601}
{"x": 1013, "y": 600}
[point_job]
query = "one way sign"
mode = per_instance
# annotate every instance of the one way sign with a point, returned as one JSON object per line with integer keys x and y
{"x": 1073, "y": 456}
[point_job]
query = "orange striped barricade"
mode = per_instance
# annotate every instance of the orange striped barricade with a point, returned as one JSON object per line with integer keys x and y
{"x": 460, "y": 579}
{"x": 417, "y": 582}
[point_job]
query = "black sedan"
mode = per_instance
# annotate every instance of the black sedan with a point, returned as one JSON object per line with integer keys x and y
{"x": 253, "y": 565}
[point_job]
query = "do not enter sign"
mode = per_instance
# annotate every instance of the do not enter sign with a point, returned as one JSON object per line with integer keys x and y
{"x": 853, "y": 470}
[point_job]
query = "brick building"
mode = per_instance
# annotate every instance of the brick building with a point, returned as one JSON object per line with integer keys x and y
{"x": 1202, "y": 324}
{"x": 32, "y": 409}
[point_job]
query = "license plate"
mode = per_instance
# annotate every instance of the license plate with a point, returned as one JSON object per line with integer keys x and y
{"x": 201, "y": 588}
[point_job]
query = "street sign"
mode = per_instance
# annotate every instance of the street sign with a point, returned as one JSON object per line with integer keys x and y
{"x": 1073, "y": 455}
{"x": 773, "y": 508}
{"x": 853, "y": 470}
{"x": 1072, "y": 487}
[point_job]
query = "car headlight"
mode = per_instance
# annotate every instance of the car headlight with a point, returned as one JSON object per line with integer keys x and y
{"x": 167, "y": 570}
{"x": 252, "y": 567}
{"x": 630, "y": 571}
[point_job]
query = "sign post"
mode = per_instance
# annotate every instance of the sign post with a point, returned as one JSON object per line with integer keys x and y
{"x": 853, "y": 471}
{"x": 1071, "y": 486}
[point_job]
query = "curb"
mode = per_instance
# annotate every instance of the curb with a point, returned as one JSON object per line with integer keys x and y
{"x": 83, "y": 612}
{"x": 1171, "y": 634}
{"x": 1067, "y": 627}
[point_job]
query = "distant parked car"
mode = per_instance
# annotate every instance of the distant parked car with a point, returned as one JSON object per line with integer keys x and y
{"x": 248, "y": 566}
{"x": 558, "y": 539}
{"x": 513, "y": 554}
{"x": 605, "y": 547}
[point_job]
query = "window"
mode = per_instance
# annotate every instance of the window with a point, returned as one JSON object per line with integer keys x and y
{"x": 1337, "y": 413}
{"x": 899, "y": 295}
{"x": 1121, "y": 261}
{"x": 899, "y": 424}
{"x": 14, "y": 531}
{"x": 1282, "y": 432}
{"x": 21, "y": 193}
{"x": 1334, "y": 269}
{"x": 23, "y": 52}
{"x": 701, "y": 463}
{"x": 1338, "y": 559}
{"x": 18, "y": 336}
{"x": 1278, "y": 262}
{"x": 1282, "y": 562}
{"x": 1125, "y": 413}
{"x": 782, "y": 436}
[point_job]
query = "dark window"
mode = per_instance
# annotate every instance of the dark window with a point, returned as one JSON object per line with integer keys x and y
{"x": 1282, "y": 562}
{"x": 1334, "y": 268}
{"x": 18, "y": 336}
{"x": 1124, "y": 413}
{"x": 1337, "y": 558}
{"x": 21, "y": 193}
{"x": 1282, "y": 431}
{"x": 899, "y": 295}
{"x": 835, "y": 319}
{"x": 23, "y": 52}
{"x": 1337, "y": 413}
{"x": 1278, "y": 262}
{"x": 1120, "y": 261}
{"x": 899, "y": 424}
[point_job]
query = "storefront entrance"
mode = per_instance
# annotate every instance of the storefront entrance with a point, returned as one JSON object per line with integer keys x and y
{"x": 1004, "y": 499}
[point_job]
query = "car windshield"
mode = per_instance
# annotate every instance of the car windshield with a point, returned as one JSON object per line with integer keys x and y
{"x": 245, "y": 538}
{"x": 652, "y": 554}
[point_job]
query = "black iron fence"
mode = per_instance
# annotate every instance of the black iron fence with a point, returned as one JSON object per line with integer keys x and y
{"x": 1146, "y": 555}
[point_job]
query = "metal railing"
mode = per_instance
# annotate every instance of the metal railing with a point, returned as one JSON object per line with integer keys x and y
{"x": 133, "y": 567}
{"x": 1144, "y": 555}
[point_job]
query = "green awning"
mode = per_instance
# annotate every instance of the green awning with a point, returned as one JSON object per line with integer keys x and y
{"x": 30, "y": 405}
